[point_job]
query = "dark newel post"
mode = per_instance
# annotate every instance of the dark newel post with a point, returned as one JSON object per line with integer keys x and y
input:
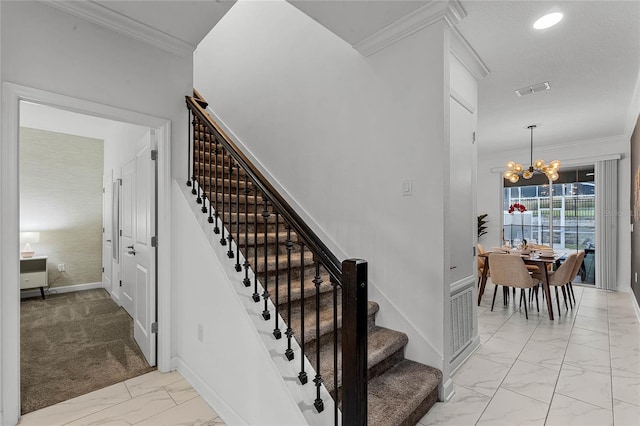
{"x": 189, "y": 127}
{"x": 354, "y": 342}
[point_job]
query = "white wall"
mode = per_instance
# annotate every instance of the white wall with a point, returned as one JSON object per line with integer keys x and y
{"x": 230, "y": 366}
{"x": 584, "y": 152}
{"x": 339, "y": 132}
{"x": 46, "y": 49}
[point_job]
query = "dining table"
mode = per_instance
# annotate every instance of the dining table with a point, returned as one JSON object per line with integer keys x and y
{"x": 532, "y": 258}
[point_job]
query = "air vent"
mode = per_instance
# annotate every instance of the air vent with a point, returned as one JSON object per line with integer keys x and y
{"x": 539, "y": 87}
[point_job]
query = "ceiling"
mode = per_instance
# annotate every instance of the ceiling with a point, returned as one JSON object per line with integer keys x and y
{"x": 591, "y": 58}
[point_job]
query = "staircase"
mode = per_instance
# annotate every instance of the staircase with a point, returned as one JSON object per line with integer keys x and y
{"x": 400, "y": 391}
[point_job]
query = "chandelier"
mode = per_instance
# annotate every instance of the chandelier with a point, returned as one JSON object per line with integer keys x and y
{"x": 515, "y": 170}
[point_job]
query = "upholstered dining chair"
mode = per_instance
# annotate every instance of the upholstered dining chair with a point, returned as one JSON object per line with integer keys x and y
{"x": 574, "y": 274}
{"x": 510, "y": 271}
{"x": 560, "y": 277}
{"x": 481, "y": 264}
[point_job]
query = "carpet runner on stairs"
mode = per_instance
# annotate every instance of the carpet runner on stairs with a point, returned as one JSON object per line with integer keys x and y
{"x": 400, "y": 391}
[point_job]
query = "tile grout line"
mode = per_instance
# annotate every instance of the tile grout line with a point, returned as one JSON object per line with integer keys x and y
{"x": 512, "y": 364}
{"x": 573, "y": 323}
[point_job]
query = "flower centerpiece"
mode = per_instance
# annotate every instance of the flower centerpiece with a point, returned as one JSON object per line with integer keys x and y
{"x": 521, "y": 208}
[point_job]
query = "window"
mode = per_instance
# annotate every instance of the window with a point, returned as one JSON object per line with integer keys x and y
{"x": 573, "y": 213}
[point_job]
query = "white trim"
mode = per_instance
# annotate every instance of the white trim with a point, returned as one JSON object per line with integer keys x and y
{"x": 12, "y": 94}
{"x": 468, "y": 57}
{"x": 463, "y": 284}
{"x": 434, "y": 11}
{"x": 114, "y": 21}
{"x": 462, "y": 101}
{"x": 574, "y": 162}
{"x": 446, "y": 391}
{"x": 226, "y": 413}
{"x": 634, "y": 302}
{"x": 552, "y": 148}
{"x": 62, "y": 289}
{"x": 634, "y": 110}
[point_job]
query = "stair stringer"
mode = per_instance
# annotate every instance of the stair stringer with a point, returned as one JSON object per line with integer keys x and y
{"x": 419, "y": 348}
{"x": 271, "y": 353}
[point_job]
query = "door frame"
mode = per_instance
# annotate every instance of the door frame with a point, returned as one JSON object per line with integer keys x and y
{"x": 12, "y": 94}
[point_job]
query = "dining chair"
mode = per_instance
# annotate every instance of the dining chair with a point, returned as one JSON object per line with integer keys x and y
{"x": 574, "y": 274}
{"x": 560, "y": 277}
{"x": 481, "y": 264}
{"x": 510, "y": 271}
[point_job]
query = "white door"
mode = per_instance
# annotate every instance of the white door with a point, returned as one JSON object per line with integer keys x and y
{"x": 138, "y": 292}
{"x": 127, "y": 229}
{"x": 107, "y": 231}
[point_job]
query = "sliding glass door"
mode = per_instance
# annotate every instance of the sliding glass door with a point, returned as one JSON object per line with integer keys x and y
{"x": 572, "y": 214}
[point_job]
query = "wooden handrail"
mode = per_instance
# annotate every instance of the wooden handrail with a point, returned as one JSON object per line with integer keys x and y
{"x": 318, "y": 248}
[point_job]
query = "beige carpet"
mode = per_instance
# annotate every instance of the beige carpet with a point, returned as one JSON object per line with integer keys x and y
{"x": 72, "y": 344}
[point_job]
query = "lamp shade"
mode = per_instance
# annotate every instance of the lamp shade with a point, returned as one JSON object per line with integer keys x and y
{"x": 29, "y": 237}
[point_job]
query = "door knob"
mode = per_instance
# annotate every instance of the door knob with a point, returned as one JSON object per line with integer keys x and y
{"x": 133, "y": 252}
{"x": 131, "y": 247}
{"x": 108, "y": 241}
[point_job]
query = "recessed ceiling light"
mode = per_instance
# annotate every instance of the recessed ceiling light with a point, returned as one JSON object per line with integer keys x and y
{"x": 548, "y": 20}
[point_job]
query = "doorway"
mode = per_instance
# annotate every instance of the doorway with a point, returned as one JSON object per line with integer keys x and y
{"x": 9, "y": 224}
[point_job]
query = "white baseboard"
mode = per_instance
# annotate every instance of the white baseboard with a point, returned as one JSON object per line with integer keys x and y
{"x": 634, "y": 301}
{"x": 59, "y": 290}
{"x": 226, "y": 413}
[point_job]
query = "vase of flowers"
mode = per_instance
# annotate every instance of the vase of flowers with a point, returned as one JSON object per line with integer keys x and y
{"x": 521, "y": 208}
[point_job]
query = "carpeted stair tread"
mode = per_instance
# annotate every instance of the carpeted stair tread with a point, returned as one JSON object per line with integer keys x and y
{"x": 249, "y": 218}
{"x": 326, "y": 319}
{"x": 296, "y": 293}
{"x": 382, "y": 343}
{"x": 282, "y": 262}
{"x": 271, "y": 238}
{"x": 403, "y": 394}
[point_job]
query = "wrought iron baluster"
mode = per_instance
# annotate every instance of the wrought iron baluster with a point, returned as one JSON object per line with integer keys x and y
{"x": 230, "y": 237}
{"x": 238, "y": 267}
{"x": 318, "y": 403}
{"x": 265, "y": 295}
{"x": 203, "y": 179}
{"x": 193, "y": 154}
{"x": 276, "y": 331}
{"x": 190, "y": 125}
{"x": 302, "y": 376}
{"x": 289, "y": 333}
{"x": 223, "y": 239}
{"x": 256, "y": 295}
{"x": 198, "y": 162}
{"x": 246, "y": 281}
{"x": 335, "y": 349}
{"x": 208, "y": 187}
{"x": 216, "y": 150}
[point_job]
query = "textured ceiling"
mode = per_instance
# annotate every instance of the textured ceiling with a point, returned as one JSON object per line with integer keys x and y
{"x": 591, "y": 59}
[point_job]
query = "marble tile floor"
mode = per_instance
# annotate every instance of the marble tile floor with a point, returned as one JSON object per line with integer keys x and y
{"x": 583, "y": 368}
{"x": 153, "y": 399}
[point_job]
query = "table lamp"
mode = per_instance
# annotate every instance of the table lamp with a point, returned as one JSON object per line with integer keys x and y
{"x": 27, "y": 238}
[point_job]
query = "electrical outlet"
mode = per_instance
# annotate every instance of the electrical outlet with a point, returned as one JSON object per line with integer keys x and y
{"x": 61, "y": 267}
{"x": 200, "y": 333}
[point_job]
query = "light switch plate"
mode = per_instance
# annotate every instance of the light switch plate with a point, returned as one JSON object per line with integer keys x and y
{"x": 407, "y": 187}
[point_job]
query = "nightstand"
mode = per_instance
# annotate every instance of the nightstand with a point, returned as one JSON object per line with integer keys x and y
{"x": 34, "y": 273}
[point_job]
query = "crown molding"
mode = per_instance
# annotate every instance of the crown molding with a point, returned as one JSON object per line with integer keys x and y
{"x": 634, "y": 111}
{"x": 450, "y": 11}
{"x": 551, "y": 149}
{"x": 467, "y": 56}
{"x": 114, "y": 21}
